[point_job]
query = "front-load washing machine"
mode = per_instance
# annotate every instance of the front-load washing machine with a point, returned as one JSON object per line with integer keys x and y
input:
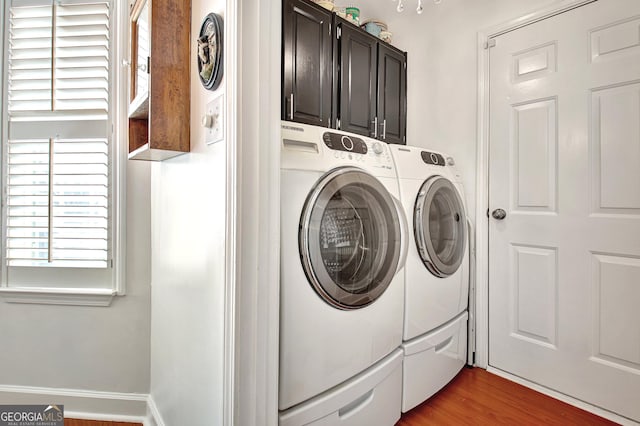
{"x": 436, "y": 271}
{"x": 342, "y": 254}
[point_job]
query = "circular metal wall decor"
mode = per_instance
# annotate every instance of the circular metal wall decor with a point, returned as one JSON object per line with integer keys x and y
{"x": 210, "y": 51}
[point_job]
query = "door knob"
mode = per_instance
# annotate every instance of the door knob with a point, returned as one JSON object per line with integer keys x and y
{"x": 499, "y": 214}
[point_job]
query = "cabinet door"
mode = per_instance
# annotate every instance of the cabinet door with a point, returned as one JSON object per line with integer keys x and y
{"x": 357, "y": 63}
{"x": 392, "y": 94}
{"x": 307, "y": 63}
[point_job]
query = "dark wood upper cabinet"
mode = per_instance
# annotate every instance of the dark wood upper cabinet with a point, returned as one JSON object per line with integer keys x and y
{"x": 334, "y": 74}
{"x": 392, "y": 99}
{"x": 356, "y": 79}
{"x": 307, "y": 63}
{"x": 371, "y": 85}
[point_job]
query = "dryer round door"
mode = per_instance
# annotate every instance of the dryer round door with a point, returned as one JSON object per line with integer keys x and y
{"x": 440, "y": 226}
{"x": 349, "y": 238}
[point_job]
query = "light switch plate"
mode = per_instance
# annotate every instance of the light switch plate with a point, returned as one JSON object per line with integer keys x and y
{"x": 215, "y": 110}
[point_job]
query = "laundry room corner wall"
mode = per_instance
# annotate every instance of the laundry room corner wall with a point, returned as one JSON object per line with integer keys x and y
{"x": 442, "y": 72}
{"x": 188, "y": 265}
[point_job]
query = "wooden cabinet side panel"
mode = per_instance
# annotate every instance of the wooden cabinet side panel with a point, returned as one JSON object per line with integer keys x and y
{"x": 170, "y": 79}
{"x": 138, "y": 133}
{"x": 133, "y": 47}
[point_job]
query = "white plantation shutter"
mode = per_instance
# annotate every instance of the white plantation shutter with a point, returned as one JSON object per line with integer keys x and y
{"x": 57, "y": 202}
{"x": 57, "y": 177}
{"x": 59, "y": 49}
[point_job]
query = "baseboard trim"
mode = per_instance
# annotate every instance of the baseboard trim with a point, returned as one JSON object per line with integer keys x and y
{"x": 89, "y": 405}
{"x": 564, "y": 398}
{"x": 104, "y": 417}
{"x": 83, "y": 404}
{"x": 153, "y": 414}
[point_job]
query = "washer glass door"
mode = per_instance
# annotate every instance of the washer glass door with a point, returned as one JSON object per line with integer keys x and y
{"x": 440, "y": 226}
{"x": 350, "y": 238}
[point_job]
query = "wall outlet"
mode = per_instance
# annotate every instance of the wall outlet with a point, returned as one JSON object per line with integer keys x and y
{"x": 213, "y": 120}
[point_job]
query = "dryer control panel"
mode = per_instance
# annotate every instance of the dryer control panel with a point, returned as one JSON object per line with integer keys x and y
{"x": 346, "y": 143}
{"x": 432, "y": 158}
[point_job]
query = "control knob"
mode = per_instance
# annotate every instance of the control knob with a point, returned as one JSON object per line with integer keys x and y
{"x": 347, "y": 143}
{"x": 377, "y": 148}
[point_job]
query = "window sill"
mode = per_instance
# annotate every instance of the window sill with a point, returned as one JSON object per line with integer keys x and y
{"x": 58, "y": 296}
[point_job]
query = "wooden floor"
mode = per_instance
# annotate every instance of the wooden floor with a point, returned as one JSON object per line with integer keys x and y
{"x": 476, "y": 397}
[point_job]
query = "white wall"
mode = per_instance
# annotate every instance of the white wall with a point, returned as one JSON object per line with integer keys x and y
{"x": 82, "y": 347}
{"x": 442, "y": 70}
{"x": 188, "y": 268}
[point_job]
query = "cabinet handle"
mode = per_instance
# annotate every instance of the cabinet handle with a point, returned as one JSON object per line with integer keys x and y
{"x": 375, "y": 127}
{"x": 291, "y": 106}
{"x": 384, "y": 129}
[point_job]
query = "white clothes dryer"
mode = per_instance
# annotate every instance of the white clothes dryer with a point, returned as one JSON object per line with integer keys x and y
{"x": 436, "y": 271}
{"x": 342, "y": 248}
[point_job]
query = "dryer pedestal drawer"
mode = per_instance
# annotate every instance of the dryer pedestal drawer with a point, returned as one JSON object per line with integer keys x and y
{"x": 370, "y": 398}
{"x": 432, "y": 360}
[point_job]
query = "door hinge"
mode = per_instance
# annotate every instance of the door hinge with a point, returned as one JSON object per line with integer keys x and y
{"x": 338, "y": 123}
{"x": 490, "y": 43}
{"x": 338, "y": 32}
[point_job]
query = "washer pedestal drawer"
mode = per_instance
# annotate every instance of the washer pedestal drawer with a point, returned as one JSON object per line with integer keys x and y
{"x": 370, "y": 398}
{"x": 432, "y": 360}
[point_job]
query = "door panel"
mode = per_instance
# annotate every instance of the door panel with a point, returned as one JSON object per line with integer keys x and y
{"x": 307, "y": 63}
{"x": 357, "y": 77}
{"x": 391, "y": 94}
{"x": 534, "y": 162}
{"x": 564, "y": 264}
{"x": 614, "y": 113}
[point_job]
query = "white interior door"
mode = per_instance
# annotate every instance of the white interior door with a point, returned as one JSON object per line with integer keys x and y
{"x": 564, "y": 263}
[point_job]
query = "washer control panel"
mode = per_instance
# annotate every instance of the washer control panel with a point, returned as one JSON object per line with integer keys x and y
{"x": 351, "y": 148}
{"x": 432, "y": 158}
{"x": 345, "y": 143}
